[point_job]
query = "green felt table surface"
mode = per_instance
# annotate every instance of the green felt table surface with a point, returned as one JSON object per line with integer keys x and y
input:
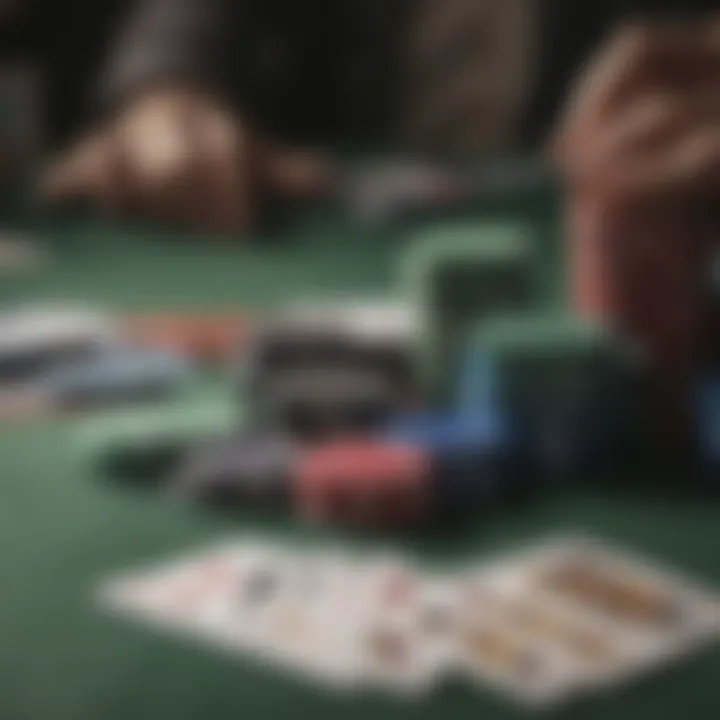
{"x": 62, "y": 529}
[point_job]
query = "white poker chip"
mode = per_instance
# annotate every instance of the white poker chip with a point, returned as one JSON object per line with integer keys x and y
{"x": 378, "y": 320}
{"x": 37, "y": 329}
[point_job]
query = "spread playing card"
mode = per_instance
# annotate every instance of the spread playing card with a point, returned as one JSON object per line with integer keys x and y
{"x": 542, "y": 626}
{"x": 574, "y": 615}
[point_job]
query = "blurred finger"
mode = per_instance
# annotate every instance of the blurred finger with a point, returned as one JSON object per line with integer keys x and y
{"x": 642, "y": 57}
{"x": 689, "y": 166}
{"x": 649, "y": 124}
{"x": 613, "y": 72}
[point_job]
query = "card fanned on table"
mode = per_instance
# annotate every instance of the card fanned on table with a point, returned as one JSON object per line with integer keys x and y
{"x": 563, "y": 620}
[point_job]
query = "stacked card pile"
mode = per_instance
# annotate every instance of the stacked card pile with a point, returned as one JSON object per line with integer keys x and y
{"x": 551, "y": 624}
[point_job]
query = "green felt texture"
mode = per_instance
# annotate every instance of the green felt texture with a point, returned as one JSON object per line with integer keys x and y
{"x": 62, "y": 532}
{"x": 459, "y": 274}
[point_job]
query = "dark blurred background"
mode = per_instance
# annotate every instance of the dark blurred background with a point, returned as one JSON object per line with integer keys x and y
{"x": 76, "y": 42}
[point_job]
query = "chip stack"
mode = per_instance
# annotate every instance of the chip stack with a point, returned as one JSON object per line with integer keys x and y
{"x": 558, "y": 380}
{"x": 247, "y": 470}
{"x": 644, "y": 272}
{"x": 465, "y": 392}
{"x": 457, "y": 275}
{"x": 470, "y": 455}
{"x": 317, "y": 373}
{"x": 38, "y": 340}
{"x": 117, "y": 375}
{"x": 364, "y": 482}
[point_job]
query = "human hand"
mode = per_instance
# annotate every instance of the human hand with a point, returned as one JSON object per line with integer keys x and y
{"x": 644, "y": 120}
{"x": 182, "y": 157}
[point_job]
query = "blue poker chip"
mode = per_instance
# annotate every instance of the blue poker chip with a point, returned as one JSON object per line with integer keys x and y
{"x": 445, "y": 431}
{"x": 471, "y": 454}
{"x": 117, "y": 374}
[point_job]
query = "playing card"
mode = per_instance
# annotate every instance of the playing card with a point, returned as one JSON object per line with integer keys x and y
{"x": 656, "y": 614}
{"x": 249, "y": 597}
{"x": 309, "y": 622}
{"x": 400, "y": 648}
{"x": 178, "y": 590}
{"x": 602, "y": 616}
{"x": 542, "y": 626}
{"x": 494, "y": 650}
{"x": 217, "y": 592}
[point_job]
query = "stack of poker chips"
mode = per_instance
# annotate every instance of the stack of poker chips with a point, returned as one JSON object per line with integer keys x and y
{"x": 465, "y": 389}
{"x": 320, "y": 382}
{"x": 333, "y": 407}
{"x": 56, "y": 358}
{"x": 338, "y": 410}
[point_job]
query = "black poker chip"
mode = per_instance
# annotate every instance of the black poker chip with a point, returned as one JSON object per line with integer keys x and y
{"x": 244, "y": 471}
{"x": 326, "y": 401}
{"x": 292, "y": 360}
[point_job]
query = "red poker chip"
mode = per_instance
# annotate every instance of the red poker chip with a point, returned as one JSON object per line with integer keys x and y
{"x": 365, "y": 482}
{"x": 361, "y": 459}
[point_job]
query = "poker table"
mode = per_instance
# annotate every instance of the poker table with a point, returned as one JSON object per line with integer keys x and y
{"x": 62, "y": 529}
